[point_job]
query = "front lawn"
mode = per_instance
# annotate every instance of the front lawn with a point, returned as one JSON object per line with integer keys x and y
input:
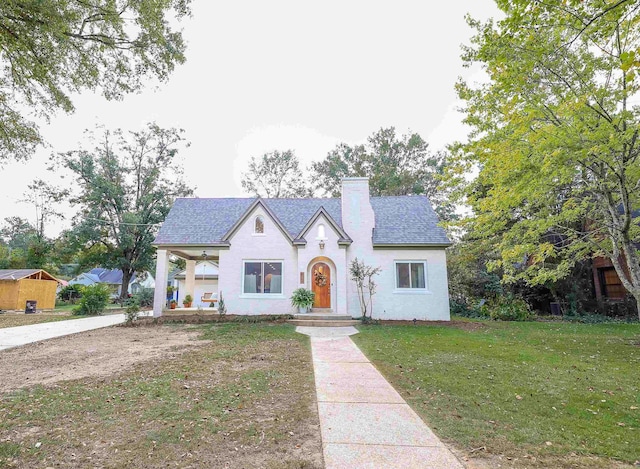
{"x": 244, "y": 399}
{"x": 520, "y": 394}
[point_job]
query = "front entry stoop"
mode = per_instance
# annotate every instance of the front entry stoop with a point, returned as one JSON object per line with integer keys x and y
{"x": 323, "y": 319}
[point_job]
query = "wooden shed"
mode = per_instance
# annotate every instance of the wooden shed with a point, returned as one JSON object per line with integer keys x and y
{"x": 22, "y": 285}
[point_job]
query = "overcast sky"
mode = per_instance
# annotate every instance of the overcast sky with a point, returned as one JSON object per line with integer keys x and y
{"x": 284, "y": 75}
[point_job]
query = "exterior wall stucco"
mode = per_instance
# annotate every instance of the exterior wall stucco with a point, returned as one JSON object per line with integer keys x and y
{"x": 336, "y": 256}
{"x": 245, "y": 245}
{"x": 390, "y": 303}
{"x": 358, "y": 221}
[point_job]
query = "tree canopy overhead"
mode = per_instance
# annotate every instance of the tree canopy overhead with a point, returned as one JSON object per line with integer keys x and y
{"x": 50, "y": 49}
{"x": 126, "y": 186}
{"x": 276, "y": 174}
{"x": 394, "y": 165}
{"x": 556, "y": 137}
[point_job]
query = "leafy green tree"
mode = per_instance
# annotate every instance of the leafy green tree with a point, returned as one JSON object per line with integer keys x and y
{"x": 17, "y": 233}
{"x": 394, "y": 165}
{"x": 556, "y": 137}
{"x": 126, "y": 186}
{"x": 23, "y": 248}
{"x": 275, "y": 175}
{"x": 50, "y": 49}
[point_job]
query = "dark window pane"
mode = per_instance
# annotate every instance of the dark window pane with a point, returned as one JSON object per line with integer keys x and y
{"x": 253, "y": 277}
{"x": 402, "y": 274}
{"x": 417, "y": 275}
{"x": 273, "y": 277}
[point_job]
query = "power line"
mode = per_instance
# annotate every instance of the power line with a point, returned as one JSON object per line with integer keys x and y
{"x": 123, "y": 223}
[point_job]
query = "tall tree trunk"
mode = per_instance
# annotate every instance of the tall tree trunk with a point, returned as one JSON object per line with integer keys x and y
{"x": 126, "y": 278}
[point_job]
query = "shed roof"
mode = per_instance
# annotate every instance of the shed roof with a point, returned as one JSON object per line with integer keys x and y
{"x": 19, "y": 274}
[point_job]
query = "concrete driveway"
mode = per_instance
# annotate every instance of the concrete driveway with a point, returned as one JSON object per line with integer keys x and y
{"x": 21, "y": 335}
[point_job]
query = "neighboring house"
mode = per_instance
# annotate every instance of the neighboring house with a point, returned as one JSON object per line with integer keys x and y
{"x": 17, "y": 286}
{"x": 266, "y": 248}
{"x": 206, "y": 281}
{"x": 607, "y": 283}
{"x": 113, "y": 279}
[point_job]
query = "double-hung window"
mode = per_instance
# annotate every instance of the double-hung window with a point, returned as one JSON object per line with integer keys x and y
{"x": 411, "y": 275}
{"x": 262, "y": 277}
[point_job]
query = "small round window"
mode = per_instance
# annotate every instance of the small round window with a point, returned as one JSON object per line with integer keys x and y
{"x": 259, "y": 225}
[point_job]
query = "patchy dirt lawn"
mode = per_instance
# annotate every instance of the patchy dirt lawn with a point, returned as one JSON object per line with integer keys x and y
{"x": 159, "y": 396}
{"x": 101, "y": 352}
{"x": 14, "y": 319}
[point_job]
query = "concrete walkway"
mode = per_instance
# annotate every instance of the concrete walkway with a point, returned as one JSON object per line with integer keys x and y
{"x": 364, "y": 422}
{"x": 21, "y": 335}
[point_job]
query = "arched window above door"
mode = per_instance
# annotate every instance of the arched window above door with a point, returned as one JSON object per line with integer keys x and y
{"x": 321, "y": 232}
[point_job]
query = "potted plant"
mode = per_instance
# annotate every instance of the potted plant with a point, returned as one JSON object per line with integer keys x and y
{"x": 173, "y": 304}
{"x": 302, "y": 299}
{"x": 188, "y": 299}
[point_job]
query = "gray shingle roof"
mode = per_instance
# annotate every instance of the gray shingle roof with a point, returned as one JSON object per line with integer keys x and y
{"x": 406, "y": 220}
{"x": 295, "y": 213}
{"x": 399, "y": 220}
{"x": 17, "y": 274}
{"x": 201, "y": 221}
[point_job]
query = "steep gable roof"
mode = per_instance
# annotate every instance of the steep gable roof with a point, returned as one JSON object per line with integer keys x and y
{"x": 211, "y": 221}
{"x": 259, "y": 202}
{"x": 321, "y": 212}
{"x": 402, "y": 220}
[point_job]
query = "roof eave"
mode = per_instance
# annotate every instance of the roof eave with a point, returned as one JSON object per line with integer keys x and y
{"x": 217, "y": 244}
{"x": 411, "y": 245}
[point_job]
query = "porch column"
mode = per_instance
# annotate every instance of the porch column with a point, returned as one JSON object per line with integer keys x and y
{"x": 190, "y": 279}
{"x": 162, "y": 274}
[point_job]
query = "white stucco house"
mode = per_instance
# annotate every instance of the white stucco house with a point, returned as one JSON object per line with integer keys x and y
{"x": 266, "y": 248}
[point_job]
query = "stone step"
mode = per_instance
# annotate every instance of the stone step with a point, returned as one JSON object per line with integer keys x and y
{"x": 322, "y": 310}
{"x": 328, "y": 316}
{"x": 323, "y": 322}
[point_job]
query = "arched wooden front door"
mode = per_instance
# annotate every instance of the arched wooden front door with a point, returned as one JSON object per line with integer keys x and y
{"x": 321, "y": 285}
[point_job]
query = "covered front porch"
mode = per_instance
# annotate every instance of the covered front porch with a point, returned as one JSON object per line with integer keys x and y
{"x": 192, "y": 255}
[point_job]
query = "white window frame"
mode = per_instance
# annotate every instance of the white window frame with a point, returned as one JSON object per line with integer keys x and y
{"x": 264, "y": 226}
{"x": 410, "y": 290}
{"x": 264, "y": 296}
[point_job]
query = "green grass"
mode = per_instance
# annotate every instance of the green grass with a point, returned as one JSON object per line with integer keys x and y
{"x": 514, "y": 387}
